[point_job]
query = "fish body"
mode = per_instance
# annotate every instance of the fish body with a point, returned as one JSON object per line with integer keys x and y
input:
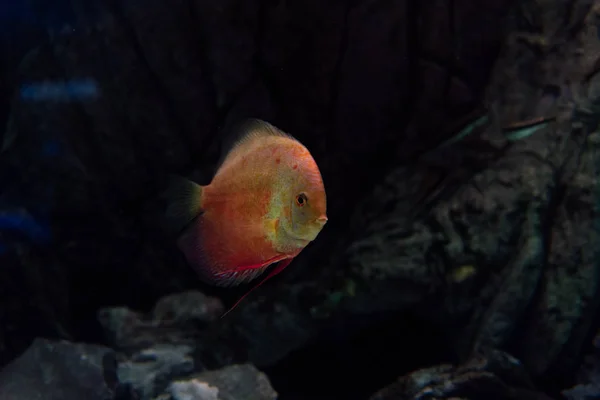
{"x": 265, "y": 203}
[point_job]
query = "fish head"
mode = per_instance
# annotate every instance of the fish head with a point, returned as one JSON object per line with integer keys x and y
{"x": 307, "y": 202}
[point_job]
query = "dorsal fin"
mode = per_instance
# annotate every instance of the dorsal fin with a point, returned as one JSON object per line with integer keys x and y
{"x": 246, "y": 132}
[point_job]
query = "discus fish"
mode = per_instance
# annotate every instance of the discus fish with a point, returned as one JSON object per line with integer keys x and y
{"x": 265, "y": 203}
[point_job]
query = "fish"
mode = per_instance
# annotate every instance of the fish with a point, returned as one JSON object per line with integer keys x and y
{"x": 264, "y": 205}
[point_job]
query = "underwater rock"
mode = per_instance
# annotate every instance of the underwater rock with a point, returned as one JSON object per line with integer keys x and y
{"x": 235, "y": 382}
{"x": 149, "y": 371}
{"x": 175, "y": 318}
{"x": 32, "y": 289}
{"x": 56, "y": 370}
{"x": 167, "y": 344}
{"x": 588, "y": 386}
{"x": 190, "y": 320}
{"x": 193, "y": 390}
{"x": 495, "y": 376}
{"x": 60, "y": 370}
{"x": 514, "y": 250}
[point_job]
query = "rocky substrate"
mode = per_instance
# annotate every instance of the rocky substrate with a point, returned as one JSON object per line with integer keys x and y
{"x": 158, "y": 356}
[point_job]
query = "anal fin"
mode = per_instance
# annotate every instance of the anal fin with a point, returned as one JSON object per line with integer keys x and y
{"x": 245, "y": 273}
{"x": 278, "y": 268}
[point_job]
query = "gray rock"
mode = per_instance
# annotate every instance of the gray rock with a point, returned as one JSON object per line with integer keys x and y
{"x": 56, "y": 370}
{"x": 235, "y": 382}
{"x": 193, "y": 390}
{"x": 186, "y": 307}
{"x": 176, "y": 319}
{"x": 160, "y": 347}
{"x": 588, "y": 379}
{"x": 149, "y": 371}
{"x": 59, "y": 370}
{"x": 495, "y": 376}
{"x": 501, "y": 251}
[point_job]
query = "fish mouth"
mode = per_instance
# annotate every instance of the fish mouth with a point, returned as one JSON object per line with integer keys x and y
{"x": 322, "y": 220}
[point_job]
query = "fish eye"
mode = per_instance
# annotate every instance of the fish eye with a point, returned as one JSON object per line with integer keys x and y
{"x": 301, "y": 200}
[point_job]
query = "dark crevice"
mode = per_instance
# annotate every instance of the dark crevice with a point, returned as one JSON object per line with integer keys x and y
{"x": 453, "y": 70}
{"x": 382, "y": 159}
{"x": 372, "y": 7}
{"x": 452, "y": 28}
{"x": 574, "y": 18}
{"x": 337, "y": 79}
{"x": 117, "y": 8}
{"x": 562, "y": 375}
{"x": 84, "y": 122}
{"x": 531, "y": 311}
{"x": 413, "y": 50}
{"x": 5, "y": 96}
{"x": 555, "y": 198}
{"x": 203, "y": 53}
{"x": 227, "y": 116}
{"x": 353, "y": 362}
{"x": 122, "y": 122}
{"x": 413, "y": 11}
{"x": 200, "y": 37}
{"x": 385, "y": 158}
{"x": 262, "y": 70}
{"x": 452, "y": 23}
{"x": 86, "y": 325}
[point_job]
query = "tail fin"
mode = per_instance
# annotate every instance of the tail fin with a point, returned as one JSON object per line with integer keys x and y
{"x": 183, "y": 203}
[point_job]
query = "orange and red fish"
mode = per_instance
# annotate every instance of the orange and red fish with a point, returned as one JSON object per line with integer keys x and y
{"x": 265, "y": 203}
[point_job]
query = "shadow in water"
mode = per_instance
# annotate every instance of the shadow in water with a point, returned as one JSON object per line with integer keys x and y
{"x": 358, "y": 357}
